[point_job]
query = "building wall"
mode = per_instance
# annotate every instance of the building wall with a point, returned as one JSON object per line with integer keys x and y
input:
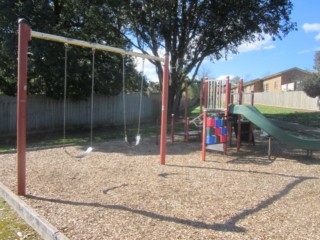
{"x": 272, "y": 84}
{"x": 279, "y": 82}
{"x": 258, "y": 86}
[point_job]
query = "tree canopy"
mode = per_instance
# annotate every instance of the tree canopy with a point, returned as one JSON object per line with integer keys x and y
{"x": 191, "y": 31}
{"x": 317, "y": 61}
{"x": 311, "y": 85}
{"x": 82, "y": 19}
{"x": 194, "y": 30}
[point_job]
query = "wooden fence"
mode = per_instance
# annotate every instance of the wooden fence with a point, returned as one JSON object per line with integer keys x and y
{"x": 291, "y": 99}
{"x": 45, "y": 114}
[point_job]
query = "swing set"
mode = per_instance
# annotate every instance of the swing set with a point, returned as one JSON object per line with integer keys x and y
{"x": 24, "y": 36}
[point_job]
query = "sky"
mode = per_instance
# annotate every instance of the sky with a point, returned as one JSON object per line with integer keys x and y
{"x": 261, "y": 59}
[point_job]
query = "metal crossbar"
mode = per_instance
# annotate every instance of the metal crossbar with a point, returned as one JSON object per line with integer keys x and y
{"x": 76, "y": 42}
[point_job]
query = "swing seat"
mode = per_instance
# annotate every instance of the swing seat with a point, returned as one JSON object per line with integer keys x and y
{"x": 81, "y": 155}
{"x": 86, "y": 153}
{"x": 136, "y": 142}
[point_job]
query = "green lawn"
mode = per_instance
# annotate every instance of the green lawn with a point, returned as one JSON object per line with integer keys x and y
{"x": 81, "y": 137}
{"x": 12, "y": 226}
{"x": 308, "y": 118}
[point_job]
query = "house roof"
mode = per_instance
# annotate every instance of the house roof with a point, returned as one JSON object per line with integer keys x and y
{"x": 282, "y": 72}
{"x": 274, "y": 75}
{"x": 251, "y": 82}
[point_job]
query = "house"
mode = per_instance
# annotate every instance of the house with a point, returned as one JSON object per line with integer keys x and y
{"x": 253, "y": 86}
{"x": 288, "y": 80}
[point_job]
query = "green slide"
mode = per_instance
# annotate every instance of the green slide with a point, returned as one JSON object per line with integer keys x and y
{"x": 253, "y": 115}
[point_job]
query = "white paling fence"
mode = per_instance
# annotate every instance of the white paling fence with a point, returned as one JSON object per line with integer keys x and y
{"x": 291, "y": 99}
{"x": 45, "y": 114}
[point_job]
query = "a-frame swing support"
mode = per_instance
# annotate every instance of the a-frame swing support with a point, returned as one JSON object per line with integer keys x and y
{"x": 24, "y": 36}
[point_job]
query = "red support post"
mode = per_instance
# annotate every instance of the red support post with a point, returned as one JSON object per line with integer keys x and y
{"x": 23, "y": 39}
{"x": 226, "y": 114}
{"x": 201, "y": 95}
{"x": 164, "y": 111}
{"x": 204, "y": 133}
{"x": 205, "y": 92}
{"x": 227, "y": 92}
{"x": 240, "y": 86}
{"x": 186, "y": 134}
{"x": 185, "y": 109}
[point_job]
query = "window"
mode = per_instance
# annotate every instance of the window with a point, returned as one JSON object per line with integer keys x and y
{"x": 275, "y": 85}
{"x": 266, "y": 87}
{"x": 299, "y": 85}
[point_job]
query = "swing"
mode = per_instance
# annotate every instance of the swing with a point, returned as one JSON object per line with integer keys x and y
{"x": 90, "y": 148}
{"x": 136, "y": 142}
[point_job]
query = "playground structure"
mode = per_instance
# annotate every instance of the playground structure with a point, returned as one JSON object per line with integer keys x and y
{"x": 25, "y": 34}
{"x": 215, "y": 128}
{"x": 221, "y": 115}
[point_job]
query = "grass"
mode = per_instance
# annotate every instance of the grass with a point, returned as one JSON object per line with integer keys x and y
{"x": 77, "y": 137}
{"x": 12, "y": 226}
{"x": 307, "y": 118}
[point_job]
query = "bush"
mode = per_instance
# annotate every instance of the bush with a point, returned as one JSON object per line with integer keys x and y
{"x": 311, "y": 85}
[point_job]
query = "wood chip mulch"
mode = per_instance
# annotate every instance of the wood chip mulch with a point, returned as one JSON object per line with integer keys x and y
{"x": 118, "y": 192}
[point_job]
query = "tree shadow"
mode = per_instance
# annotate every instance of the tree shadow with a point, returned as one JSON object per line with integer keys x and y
{"x": 229, "y": 226}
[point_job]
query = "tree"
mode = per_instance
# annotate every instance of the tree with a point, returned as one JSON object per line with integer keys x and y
{"x": 193, "y": 30}
{"x": 311, "y": 85}
{"x": 317, "y": 61}
{"x": 76, "y": 19}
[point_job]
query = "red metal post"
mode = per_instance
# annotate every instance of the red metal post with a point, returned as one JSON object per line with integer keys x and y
{"x": 226, "y": 114}
{"x": 185, "y": 110}
{"x": 201, "y": 95}
{"x": 227, "y": 97}
{"x": 186, "y": 134}
{"x": 206, "y": 92}
{"x": 164, "y": 111}
{"x": 23, "y": 39}
{"x": 240, "y": 86}
{"x": 204, "y": 133}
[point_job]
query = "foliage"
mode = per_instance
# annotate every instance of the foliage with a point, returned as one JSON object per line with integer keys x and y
{"x": 311, "y": 85}
{"x": 194, "y": 30}
{"x": 83, "y": 19}
{"x": 317, "y": 61}
{"x": 194, "y": 90}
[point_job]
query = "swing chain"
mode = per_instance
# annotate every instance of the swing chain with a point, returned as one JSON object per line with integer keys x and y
{"x": 138, "y": 137}
{"x": 92, "y": 94}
